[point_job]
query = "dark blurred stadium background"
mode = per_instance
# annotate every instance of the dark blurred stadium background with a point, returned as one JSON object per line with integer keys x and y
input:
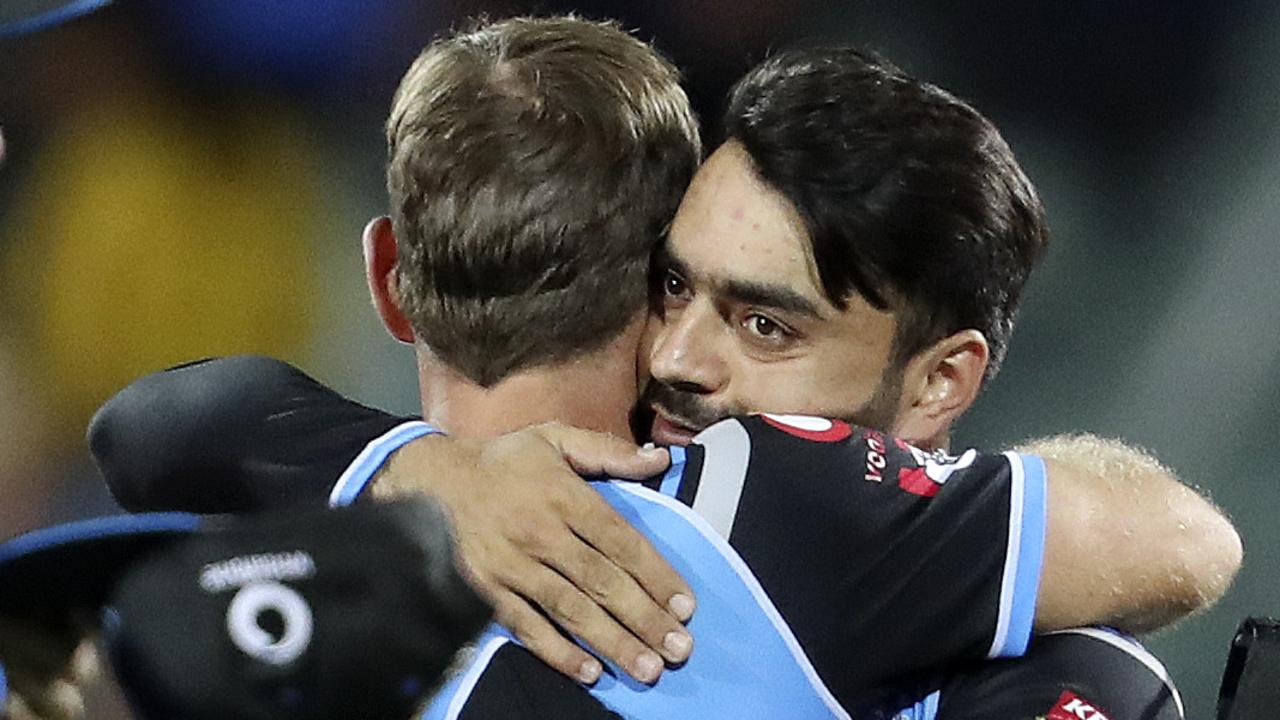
{"x": 190, "y": 177}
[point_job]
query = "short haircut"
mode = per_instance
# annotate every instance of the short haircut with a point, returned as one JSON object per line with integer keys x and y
{"x": 534, "y": 164}
{"x": 909, "y": 196}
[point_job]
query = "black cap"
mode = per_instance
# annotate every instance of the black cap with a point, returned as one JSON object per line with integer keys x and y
{"x": 51, "y": 571}
{"x": 353, "y": 612}
{"x": 54, "y": 578}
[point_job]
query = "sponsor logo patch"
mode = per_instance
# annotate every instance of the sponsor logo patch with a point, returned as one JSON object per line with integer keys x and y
{"x": 916, "y": 481}
{"x": 932, "y": 469}
{"x": 877, "y": 456}
{"x": 1073, "y": 707}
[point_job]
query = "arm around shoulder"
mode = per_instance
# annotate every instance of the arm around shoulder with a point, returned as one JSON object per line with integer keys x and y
{"x": 1127, "y": 544}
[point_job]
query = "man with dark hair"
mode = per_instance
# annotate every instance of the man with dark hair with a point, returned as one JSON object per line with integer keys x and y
{"x": 880, "y": 289}
{"x": 926, "y": 212}
{"x": 859, "y": 567}
{"x": 918, "y": 236}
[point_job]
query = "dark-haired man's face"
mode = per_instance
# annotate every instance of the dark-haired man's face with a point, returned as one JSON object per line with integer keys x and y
{"x": 742, "y": 324}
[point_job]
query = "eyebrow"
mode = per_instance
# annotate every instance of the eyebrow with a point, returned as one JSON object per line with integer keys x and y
{"x": 779, "y": 297}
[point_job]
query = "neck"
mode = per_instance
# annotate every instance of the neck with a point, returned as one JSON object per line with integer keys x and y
{"x": 941, "y": 441}
{"x": 594, "y": 392}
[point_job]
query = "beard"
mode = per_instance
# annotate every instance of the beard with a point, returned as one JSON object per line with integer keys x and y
{"x": 691, "y": 408}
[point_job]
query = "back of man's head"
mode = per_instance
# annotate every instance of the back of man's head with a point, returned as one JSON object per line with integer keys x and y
{"x": 910, "y": 197}
{"x": 533, "y": 166}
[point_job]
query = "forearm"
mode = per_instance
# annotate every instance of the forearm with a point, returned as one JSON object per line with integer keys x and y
{"x": 1127, "y": 544}
{"x": 254, "y": 433}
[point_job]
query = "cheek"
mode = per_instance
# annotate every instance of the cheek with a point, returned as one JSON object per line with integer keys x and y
{"x": 829, "y": 387}
{"x": 786, "y": 388}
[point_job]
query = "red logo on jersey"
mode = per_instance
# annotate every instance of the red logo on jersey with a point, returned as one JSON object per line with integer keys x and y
{"x": 917, "y": 482}
{"x": 932, "y": 469}
{"x": 805, "y": 427}
{"x": 1073, "y": 707}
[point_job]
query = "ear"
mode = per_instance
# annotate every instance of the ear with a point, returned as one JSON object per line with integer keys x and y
{"x": 380, "y": 254}
{"x": 939, "y": 385}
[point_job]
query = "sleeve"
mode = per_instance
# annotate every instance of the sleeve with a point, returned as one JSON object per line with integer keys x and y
{"x": 1083, "y": 674}
{"x": 232, "y": 434}
{"x": 864, "y": 542}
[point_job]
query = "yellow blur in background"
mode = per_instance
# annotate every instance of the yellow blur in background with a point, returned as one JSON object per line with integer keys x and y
{"x": 148, "y": 239}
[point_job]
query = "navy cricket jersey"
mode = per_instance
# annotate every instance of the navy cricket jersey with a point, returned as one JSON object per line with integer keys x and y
{"x": 828, "y": 560}
{"x": 1080, "y": 674}
{"x": 783, "y": 526}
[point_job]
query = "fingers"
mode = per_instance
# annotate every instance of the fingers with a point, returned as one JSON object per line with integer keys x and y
{"x": 628, "y": 608}
{"x": 615, "y": 566}
{"x": 543, "y": 640}
{"x": 532, "y": 535}
{"x": 516, "y": 577}
{"x": 582, "y": 617}
{"x": 45, "y": 698}
{"x": 592, "y": 453}
{"x": 535, "y": 631}
{"x": 626, "y": 549}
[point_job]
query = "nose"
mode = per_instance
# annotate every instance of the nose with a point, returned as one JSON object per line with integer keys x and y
{"x": 687, "y": 351}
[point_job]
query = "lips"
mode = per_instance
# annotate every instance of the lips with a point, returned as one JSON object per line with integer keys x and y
{"x": 669, "y": 431}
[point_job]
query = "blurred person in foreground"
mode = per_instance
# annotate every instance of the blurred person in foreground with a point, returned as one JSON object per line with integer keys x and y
{"x": 247, "y": 618}
{"x": 143, "y": 160}
{"x": 515, "y": 262}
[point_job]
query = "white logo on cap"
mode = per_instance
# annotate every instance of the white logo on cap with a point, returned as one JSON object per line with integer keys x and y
{"x": 246, "y": 610}
{"x": 227, "y": 574}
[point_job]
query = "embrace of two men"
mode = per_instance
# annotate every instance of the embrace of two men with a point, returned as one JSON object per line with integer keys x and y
{"x": 854, "y": 250}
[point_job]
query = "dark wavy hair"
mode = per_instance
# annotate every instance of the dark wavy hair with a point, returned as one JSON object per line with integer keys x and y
{"x": 910, "y": 196}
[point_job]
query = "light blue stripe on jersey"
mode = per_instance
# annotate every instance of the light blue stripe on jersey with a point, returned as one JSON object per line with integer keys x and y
{"x": 1034, "y": 527}
{"x": 926, "y": 709}
{"x": 746, "y": 662}
{"x": 671, "y": 481}
{"x": 1026, "y": 556}
{"x": 361, "y": 470}
{"x": 4, "y": 687}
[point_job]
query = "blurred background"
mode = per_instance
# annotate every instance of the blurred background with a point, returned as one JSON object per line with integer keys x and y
{"x": 190, "y": 177}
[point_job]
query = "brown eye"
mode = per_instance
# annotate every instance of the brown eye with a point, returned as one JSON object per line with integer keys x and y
{"x": 766, "y": 331}
{"x": 673, "y": 285}
{"x": 764, "y": 327}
